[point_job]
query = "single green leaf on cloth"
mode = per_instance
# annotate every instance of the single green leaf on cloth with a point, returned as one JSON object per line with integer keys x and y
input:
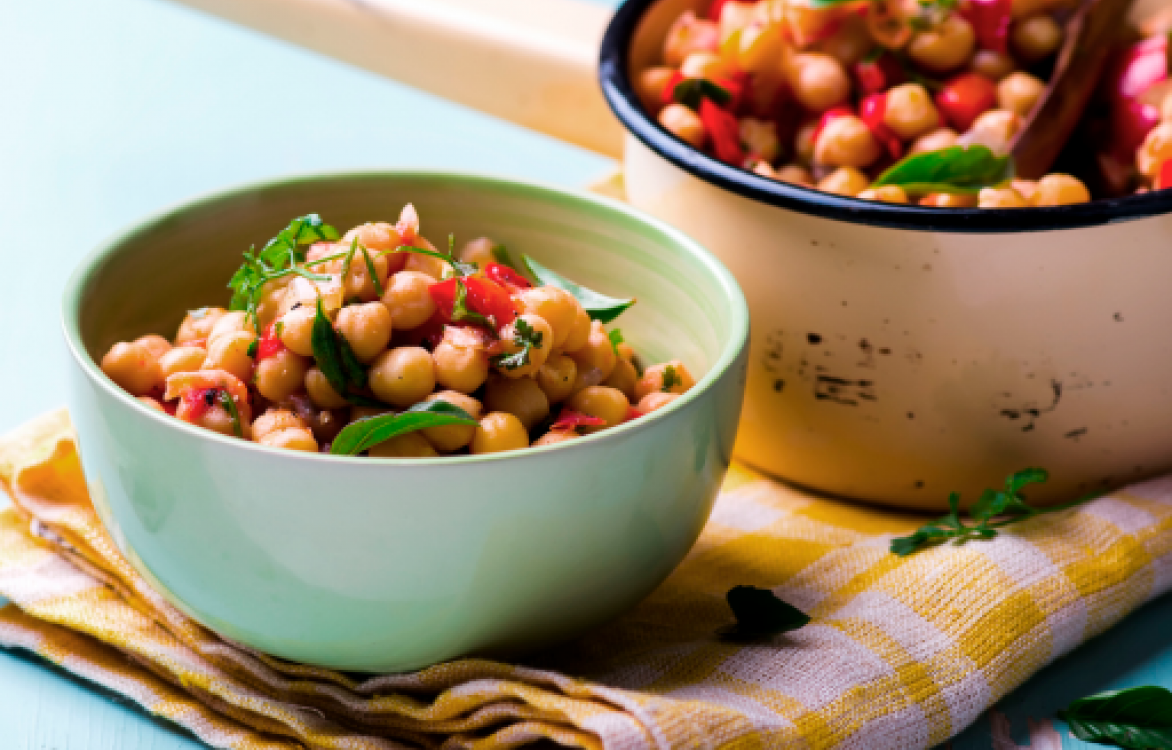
{"x": 957, "y": 169}
{"x": 363, "y": 434}
{"x": 1138, "y": 718}
{"x": 598, "y": 306}
{"x": 759, "y": 613}
{"x": 690, "y": 91}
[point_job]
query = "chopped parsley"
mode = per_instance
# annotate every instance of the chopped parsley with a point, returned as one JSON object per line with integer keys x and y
{"x": 524, "y": 336}
{"x": 616, "y": 338}
{"x": 671, "y": 378}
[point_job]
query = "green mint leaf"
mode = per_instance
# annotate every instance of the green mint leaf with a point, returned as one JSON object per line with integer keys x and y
{"x": 328, "y": 352}
{"x": 690, "y": 91}
{"x": 524, "y": 336}
{"x": 616, "y": 338}
{"x": 1139, "y": 718}
{"x": 956, "y": 169}
{"x": 363, "y": 434}
{"x": 229, "y": 405}
{"x": 598, "y": 306}
{"x": 354, "y": 371}
{"x": 671, "y": 378}
{"x": 760, "y": 613}
{"x": 500, "y": 254}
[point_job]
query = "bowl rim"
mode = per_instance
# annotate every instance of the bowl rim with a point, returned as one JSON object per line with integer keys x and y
{"x": 624, "y": 102}
{"x": 732, "y": 348}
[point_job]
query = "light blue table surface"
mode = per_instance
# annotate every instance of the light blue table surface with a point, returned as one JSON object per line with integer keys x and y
{"x": 118, "y": 108}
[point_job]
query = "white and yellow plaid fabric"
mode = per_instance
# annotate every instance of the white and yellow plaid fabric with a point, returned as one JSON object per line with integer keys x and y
{"x": 902, "y": 652}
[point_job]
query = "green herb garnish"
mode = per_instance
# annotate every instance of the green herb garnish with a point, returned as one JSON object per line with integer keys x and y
{"x": 524, "y": 336}
{"x": 616, "y": 338}
{"x": 671, "y": 379}
{"x": 598, "y": 306}
{"x": 958, "y": 170}
{"x": 251, "y": 351}
{"x": 500, "y": 254}
{"x": 363, "y": 434}
{"x": 690, "y": 91}
{"x": 334, "y": 356}
{"x": 760, "y": 613}
{"x": 460, "y": 267}
{"x": 994, "y": 510}
{"x": 233, "y": 413}
{"x": 461, "y": 313}
{"x": 279, "y": 258}
{"x": 378, "y": 285}
{"x": 1139, "y": 718}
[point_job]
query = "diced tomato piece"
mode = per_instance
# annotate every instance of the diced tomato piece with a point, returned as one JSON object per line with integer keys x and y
{"x": 170, "y": 406}
{"x": 965, "y": 98}
{"x": 198, "y": 400}
{"x": 270, "y": 344}
{"x": 570, "y": 420}
{"x": 871, "y": 111}
{"x": 829, "y": 115}
{"x": 990, "y": 20}
{"x": 724, "y": 131}
{"x": 878, "y": 75}
{"x": 736, "y": 87}
{"x": 483, "y": 296}
{"x": 633, "y": 413}
{"x": 1164, "y": 178}
{"x": 715, "y": 9}
{"x": 506, "y": 277}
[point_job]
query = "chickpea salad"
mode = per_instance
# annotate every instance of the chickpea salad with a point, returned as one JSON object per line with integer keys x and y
{"x": 898, "y": 101}
{"x": 377, "y": 343}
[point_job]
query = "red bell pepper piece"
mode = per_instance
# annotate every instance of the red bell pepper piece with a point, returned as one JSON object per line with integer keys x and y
{"x": 198, "y": 401}
{"x": 1135, "y": 70}
{"x": 724, "y": 131}
{"x": 966, "y": 97}
{"x": 1164, "y": 177}
{"x": 878, "y": 75}
{"x": 506, "y": 277}
{"x": 669, "y": 89}
{"x": 270, "y": 344}
{"x": 171, "y": 406}
{"x": 831, "y": 114}
{"x": 633, "y": 413}
{"x": 715, "y": 9}
{"x": 990, "y": 20}
{"x": 737, "y": 86}
{"x": 871, "y": 111}
{"x": 483, "y": 296}
{"x": 570, "y": 420}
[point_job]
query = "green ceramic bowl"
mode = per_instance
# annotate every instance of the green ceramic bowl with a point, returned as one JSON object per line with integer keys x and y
{"x": 390, "y": 565}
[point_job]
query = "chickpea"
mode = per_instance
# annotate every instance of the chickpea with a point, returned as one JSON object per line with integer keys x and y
{"x": 152, "y": 403}
{"x": 910, "y": 112}
{"x": 366, "y": 328}
{"x": 938, "y": 139}
{"x": 553, "y": 437}
{"x": 321, "y": 392}
{"x": 408, "y": 299}
{"x": 653, "y": 401}
{"x": 600, "y": 401}
{"x": 155, "y": 344}
{"x": 522, "y": 398}
{"x": 622, "y": 378}
{"x": 991, "y": 64}
{"x": 541, "y": 345}
{"x": 1060, "y": 190}
{"x": 850, "y": 43}
{"x": 760, "y": 138}
{"x": 292, "y": 440}
{"x": 1036, "y": 37}
{"x": 230, "y": 322}
{"x": 499, "y": 432}
{"x": 846, "y": 181}
{"x": 1001, "y": 198}
{"x": 296, "y": 330}
{"x": 182, "y": 359}
{"x": 684, "y": 124}
{"x": 379, "y": 237}
{"x": 625, "y": 351}
{"x": 556, "y": 378}
{"x": 707, "y": 65}
{"x": 281, "y": 375}
{"x": 995, "y": 128}
{"x": 217, "y": 419}
{"x": 425, "y": 264}
{"x": 274, "y": 421}
{"x": 687, "y": 35}
{"x": 846, "y": 142}
{"x": 945, "y": 47}
{"x": 796, "y": 174}
{"x": 947, "y": 200}
{"x": 804, "y": 142}
{"x": 404, "y": 376}
{"x": 272, "y": 299}
{"x": 556, "y": 306}
{"x": 198, "y": 324}
{"x": 366, "y": 412}
{"x": 649, "y": 84}
{"x": 579, "y": 332}
{"x": 478, "y": 251}
{"x": 654, "y": 376}
{"x": 818, "y": 81}
{"x": 359, "y": 283}
{"x": 229, "y": 353}
{"x": 885, "y": 193}
{"x": 1027, "y": 188}
{"x": 1019, "y": 92}
{"x": 460, "y": 366}
{"x": 759, "y": 46}
{"x": 410, "y": 445}
{"x": 453, "y": 437}
{"x": 1156, "y": 149}
{"x": 597, "y": 354}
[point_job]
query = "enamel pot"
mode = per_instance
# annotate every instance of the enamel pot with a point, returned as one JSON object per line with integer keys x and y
{"x": 898, "y": 352}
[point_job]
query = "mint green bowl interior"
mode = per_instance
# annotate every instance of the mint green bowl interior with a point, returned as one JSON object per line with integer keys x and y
{"x": 390, "y": 565}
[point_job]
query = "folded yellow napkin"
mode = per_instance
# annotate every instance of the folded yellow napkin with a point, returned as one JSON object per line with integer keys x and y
{"x": 902, "y": 652}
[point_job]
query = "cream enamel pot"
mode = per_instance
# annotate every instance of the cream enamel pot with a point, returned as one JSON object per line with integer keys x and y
{"x": 898, "y": 352}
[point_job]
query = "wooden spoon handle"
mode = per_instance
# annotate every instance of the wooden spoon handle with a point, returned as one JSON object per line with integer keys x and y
{"x": 532, "y": 62}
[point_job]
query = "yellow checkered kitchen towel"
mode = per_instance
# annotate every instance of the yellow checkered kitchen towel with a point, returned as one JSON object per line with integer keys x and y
{"x": 902, "y": 652}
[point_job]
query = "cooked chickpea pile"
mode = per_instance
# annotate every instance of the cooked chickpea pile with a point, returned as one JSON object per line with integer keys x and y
{"x": 830, "y": 97}
{"x": 531, "y": 368}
